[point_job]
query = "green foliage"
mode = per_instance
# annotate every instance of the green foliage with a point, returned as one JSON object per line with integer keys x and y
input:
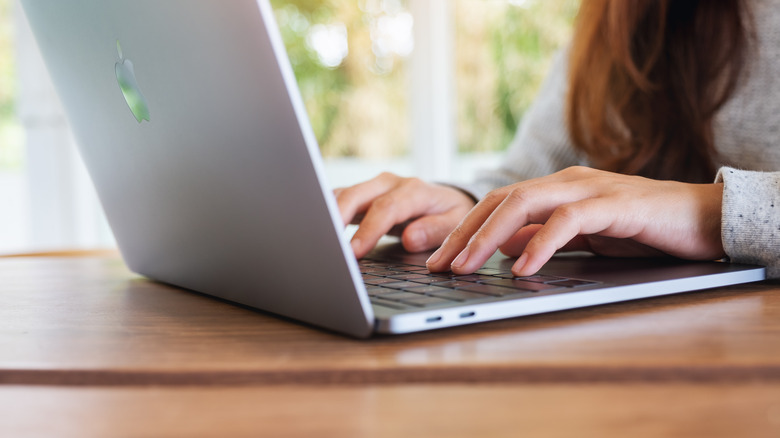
{"x": 320, "y": 86}
{"x": 11, "y": 140}
{"x": 504, "y": 52}
{"x": 354, "y": 108}
{"x": 359, "y": 109}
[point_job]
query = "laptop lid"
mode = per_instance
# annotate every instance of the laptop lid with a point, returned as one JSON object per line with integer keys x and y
{"x": 189, "y": 120}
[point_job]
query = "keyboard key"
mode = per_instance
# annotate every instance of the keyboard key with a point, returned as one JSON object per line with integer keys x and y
{"x": 489, "y": 271}
{"x": 572, "y": 283}
{"x": 522, "y": 284}
{"x": 389, "y": 304}
{"x": 425, "y": 301}
{"x": 374, "y": 291}
{"x": 452, "y": 284}
{"x": 378, "y": 280}
{"x": 390, "y": 272}
{"x": 428, "y": 290}
{"x": 393, "y": 265}
{"x": 473, "y": 278}
{"x": 400, "y": 296}
{"x": 370, "y": 270}
{"x": 534, "y": 278}
{"x": 420, "y": 269}
{"x": 448, "y": 275}
{"x": 427, "y": 280}
{"x": 495, "y": 291}
{"x": 408, "y": 276}
{"x": 400, "y": 284}
{"x": 541, "y": 278}
{"x": 458, "y": 295}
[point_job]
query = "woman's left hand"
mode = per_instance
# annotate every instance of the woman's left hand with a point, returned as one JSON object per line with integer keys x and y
{"x": 585, "y": 209}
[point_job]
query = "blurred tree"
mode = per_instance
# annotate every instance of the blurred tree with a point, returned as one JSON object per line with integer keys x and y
{"x": 503, "y": 53}
{"x": 357, "y": 107}
{"x": 355, "y": 90}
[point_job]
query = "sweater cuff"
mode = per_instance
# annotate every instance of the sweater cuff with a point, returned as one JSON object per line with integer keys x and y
{"x": 750, "y": 227}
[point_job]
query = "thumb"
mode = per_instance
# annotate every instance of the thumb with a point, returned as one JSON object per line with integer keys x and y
{"x": 428, "y": 232}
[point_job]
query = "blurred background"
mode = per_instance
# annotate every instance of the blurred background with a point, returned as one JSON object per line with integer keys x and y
{"x": 430, "y": 88}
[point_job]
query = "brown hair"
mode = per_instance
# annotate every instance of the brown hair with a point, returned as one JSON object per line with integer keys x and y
{"x": 646, "y": 79}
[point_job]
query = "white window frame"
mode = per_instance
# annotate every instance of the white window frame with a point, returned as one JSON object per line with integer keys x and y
{"x": 432, "y": 87}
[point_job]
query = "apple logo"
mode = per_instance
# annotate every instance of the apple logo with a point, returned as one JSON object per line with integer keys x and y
{"x": 125, "y": 76}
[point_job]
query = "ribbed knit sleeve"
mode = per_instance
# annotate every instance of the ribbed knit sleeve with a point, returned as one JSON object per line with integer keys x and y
{"x": 542, "y": 145}
{"x": 751, "y": 217}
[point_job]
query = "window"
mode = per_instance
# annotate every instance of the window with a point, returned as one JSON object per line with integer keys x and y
{"x": 503, "y": 52}
{"x": 412, "y": 86}
{"x": 350, "y": 61}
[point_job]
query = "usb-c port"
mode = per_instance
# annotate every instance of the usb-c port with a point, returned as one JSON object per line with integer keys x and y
{"x": 433, "y": 319}
{"x": 467, "y": 314}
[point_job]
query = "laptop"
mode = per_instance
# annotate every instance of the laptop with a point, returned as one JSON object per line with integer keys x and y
{"x": 189, "y": 119}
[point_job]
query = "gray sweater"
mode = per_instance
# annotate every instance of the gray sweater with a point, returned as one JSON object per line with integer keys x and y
{"x": 747, "y": 138}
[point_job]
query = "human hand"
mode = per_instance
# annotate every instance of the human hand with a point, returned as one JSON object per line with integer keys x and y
{"x": 431, "y": 210}
{"x": 582, "y": 208}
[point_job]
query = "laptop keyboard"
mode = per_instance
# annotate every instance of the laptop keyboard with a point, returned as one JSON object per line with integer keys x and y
{"x": 405, "y": 287}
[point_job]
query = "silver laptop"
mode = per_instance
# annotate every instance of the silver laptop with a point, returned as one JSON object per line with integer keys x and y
{"x": 191, "y": 125}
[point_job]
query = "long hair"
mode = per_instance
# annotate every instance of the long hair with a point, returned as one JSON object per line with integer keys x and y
{"x": 647, "y": 78}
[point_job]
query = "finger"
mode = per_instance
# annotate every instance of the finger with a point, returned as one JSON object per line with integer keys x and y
{"x": 520, "y": 207}
{"x": 459, "y": 237}
{"x": 516, "y": 244}
{"x": 356, "y": 199}
{"x": 398, "y": 229}
{"x": 385, "y": 212}
{"x": 429, "y": 232}
{"x": 590, "y": 216}
{"x": 455, "y": 244}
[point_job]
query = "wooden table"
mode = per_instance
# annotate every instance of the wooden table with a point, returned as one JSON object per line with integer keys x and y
{"x": 89, "y": 349}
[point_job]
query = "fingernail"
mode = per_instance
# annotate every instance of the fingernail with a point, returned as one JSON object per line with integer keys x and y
{"x": 461, "y": 259}
{"x": 520, "y": 264}
{"x": 434, "y": 257}
{"x": 355, "y": 245}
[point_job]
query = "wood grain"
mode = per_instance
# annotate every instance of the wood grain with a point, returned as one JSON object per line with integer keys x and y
{"x": 453, "y": 411}
{"x": 88, "y": 321}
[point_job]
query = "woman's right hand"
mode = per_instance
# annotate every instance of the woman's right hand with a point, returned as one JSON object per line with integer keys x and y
{"x": 428, "y": 211}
